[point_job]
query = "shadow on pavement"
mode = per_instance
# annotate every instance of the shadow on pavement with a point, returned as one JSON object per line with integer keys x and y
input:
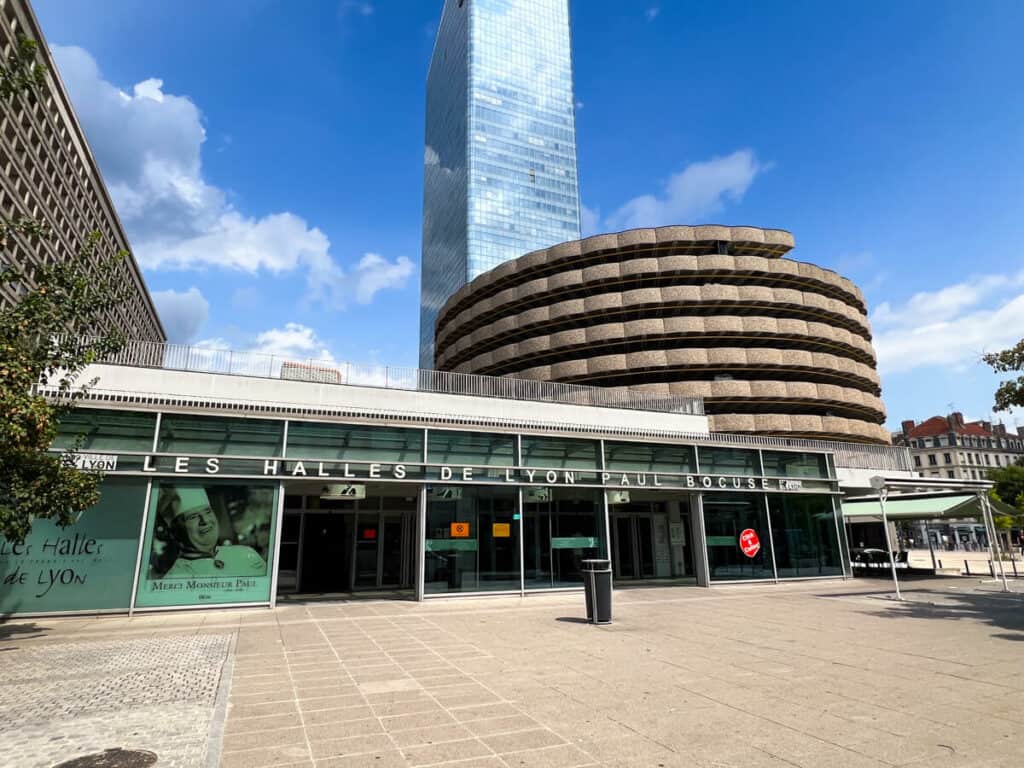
{"x": 997, "y": 609}
{"x": 572, "y": 620}
{"x": 9, "y": 632}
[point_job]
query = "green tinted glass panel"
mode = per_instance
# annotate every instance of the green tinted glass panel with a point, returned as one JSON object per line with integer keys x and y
{"x": 208, "y": 543}
{"x": 726, "y": 516}
{"x": 471, "y": 448}
{"x": 219, "y": 436}
{"x": 87, "y": 566}
{"x": 472, "y": 539}
{"x": 794, "y": 464}
{"x": 343, "y": 442}
{"x": 648, "y": 457}
{"x": 101, "y": 430}
{"x": 805, "y": 536}
{"x": 560, "y": 453}
{"x": 561, "y": 528}
{"x": 728, "y": 461}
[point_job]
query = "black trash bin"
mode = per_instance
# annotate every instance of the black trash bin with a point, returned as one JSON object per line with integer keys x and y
{"x": 597, "y": 585}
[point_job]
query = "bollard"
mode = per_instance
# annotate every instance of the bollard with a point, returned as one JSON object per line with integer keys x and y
{"x": 1014, "y": 564}
{"x": 991, "y": 569}
{"x": 967, "y": 568}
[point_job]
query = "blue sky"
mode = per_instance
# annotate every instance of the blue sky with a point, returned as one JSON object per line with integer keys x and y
{"x": 266, "y": 159}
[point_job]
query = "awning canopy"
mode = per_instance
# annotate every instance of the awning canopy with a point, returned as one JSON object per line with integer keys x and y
{"x": 930, "y": 506}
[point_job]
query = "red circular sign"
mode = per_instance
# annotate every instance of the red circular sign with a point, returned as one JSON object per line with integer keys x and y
{"x": 749, "y": 542}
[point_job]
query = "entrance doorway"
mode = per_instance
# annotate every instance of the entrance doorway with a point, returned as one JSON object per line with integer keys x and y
{"x": 342, "y": 546}
{"x": 651, "y": 539}
{"x": 633, "y": 544}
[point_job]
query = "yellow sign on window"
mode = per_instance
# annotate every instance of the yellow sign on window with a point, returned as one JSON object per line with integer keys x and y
{"x": 460, "y": 530}
{"x": 502, "y": 530}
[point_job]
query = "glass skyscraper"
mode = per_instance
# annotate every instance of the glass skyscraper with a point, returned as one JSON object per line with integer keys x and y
{"x": 499, "y": 166}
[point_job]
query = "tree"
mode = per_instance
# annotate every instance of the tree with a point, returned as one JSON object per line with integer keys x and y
{"x": 1009, "y": 485}
{"x": 44, "y": 339}
{"x": 1011, "y": 392}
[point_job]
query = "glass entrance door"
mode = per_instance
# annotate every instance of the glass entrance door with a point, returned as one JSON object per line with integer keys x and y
{"x": 633, "y": 546}
{"x": 650, "y": 539}
{"x": 383, "y": 550}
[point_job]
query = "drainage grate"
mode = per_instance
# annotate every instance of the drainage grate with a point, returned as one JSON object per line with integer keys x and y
{"x": 113, "y": 758}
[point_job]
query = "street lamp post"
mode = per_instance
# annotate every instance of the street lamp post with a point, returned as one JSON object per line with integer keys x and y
{"x": 878, "y": 483}
{"x": 992, "y": 535}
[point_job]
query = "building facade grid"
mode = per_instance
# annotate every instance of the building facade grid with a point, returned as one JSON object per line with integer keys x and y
{"x": 500, "y": 176}
{"x": 48, "y": 173}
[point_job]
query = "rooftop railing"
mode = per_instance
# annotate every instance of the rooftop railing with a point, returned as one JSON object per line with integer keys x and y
{"x": 894, "y": 458}
{"x": 179, "y": 357}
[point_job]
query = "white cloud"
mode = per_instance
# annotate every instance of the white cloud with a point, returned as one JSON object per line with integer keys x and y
{"x": 590, "y": 220}
{"x": 652, "y": 13}
{"x": 357, "y": 7}
{"x": 262, "y": 354}
{"x": 148, "y": 144}
{"x": 182, "y": 314}
{"x": 376, "y": 273}
{"x": 951, "y": 327}
{"x": 700, "y": 189}
{"x": 294, "y": 340}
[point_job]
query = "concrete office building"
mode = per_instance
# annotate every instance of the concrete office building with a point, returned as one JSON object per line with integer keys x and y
{"x": 949, "y": 447}
{"x": 224, "y": 488}
{"x": 774, "y": 346}
{"x": 499, "y": 174}
{"x": 48, "y": 173}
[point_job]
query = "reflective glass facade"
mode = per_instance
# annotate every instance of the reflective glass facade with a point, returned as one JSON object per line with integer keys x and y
{"x": 500, "y": 174}
{"x": 213, "y": 510}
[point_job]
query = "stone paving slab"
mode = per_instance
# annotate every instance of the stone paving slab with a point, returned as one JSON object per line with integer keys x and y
{"x": 808, "y": 675}
{"x": 63, "y": 700}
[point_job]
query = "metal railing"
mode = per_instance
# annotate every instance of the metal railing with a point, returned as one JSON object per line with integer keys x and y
{"x": 180, "y": 357}
{"x": 894, "y": 458}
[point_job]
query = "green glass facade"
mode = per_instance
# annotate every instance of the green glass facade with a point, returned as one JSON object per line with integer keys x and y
{"x": 192, "y": 507}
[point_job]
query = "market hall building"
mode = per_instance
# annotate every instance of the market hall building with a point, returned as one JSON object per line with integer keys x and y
{"x": 239, "y": 485}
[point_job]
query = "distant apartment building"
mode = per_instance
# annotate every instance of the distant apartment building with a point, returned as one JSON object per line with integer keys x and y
{"x": 48, "y": 173}
{"x": 499, "y": 172}
{"x": 948, "y": 447}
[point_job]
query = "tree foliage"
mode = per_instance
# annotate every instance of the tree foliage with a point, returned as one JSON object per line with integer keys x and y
{"x": 1010, "y": 392}
{"x": 22, "y": 73}
{"x": 47, "y": 337}
{"x": 1009, "y": 485}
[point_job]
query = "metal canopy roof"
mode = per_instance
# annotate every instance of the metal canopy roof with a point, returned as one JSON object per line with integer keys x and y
{"x": 929, "y": 506}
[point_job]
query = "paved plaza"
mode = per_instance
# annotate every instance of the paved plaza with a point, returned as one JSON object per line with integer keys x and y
{"x": 806, "y": 675}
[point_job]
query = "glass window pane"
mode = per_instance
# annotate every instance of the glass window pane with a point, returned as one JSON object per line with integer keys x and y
{"x": 95, "y": 575}
{"x": 472, "y": 539}
{"x": 561, "y": 528}
{"x": 559, "y": 453}
{"x": 728, "y": 461}
{"x": 804, "y": 531}
{"x": 648, "y": 457}
{"x": 208, "y": 542}
{"x": 471, "y": 448}
{"x": 356, "y": 442}
{"x": 217, "y": 436}
{"x": 102, "y": 430}
{"x": 726, "y": 516}
{"x": 794, "y": 464}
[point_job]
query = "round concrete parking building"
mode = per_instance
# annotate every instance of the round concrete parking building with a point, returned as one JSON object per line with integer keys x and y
{"x": 773, "y": 345}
